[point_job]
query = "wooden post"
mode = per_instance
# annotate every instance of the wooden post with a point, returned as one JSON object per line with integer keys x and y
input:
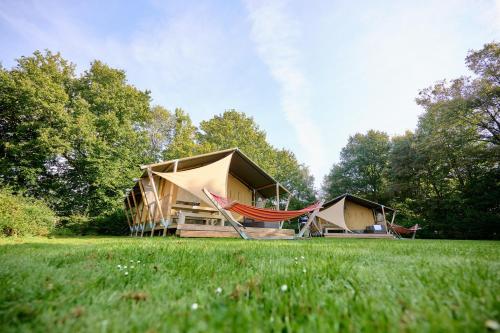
{"x": 277, "y": 196}
{"x": 137, "y": 212}
{"x": 309, "y": 220}
{"x": 169, "y": 199}
{"x": 145, "y": 201}
{"x": 414, "y": 231}
{"x": 385, "y": 221}
{"x": 286, "y": 208}
{"x": 152, "y": 182}
{"x": 131, "y": 214}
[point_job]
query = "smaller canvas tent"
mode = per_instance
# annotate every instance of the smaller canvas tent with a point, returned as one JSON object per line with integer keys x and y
{"x": 351, "y": 214}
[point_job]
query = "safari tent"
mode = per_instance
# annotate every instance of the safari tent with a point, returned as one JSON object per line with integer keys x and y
{"x": 351, "y": 216}
{"x": 169, "y": 197}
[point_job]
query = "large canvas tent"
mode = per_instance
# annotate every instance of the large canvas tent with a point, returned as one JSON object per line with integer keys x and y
{"x": 348, "y": 213}
{"x": 169, "y": 195}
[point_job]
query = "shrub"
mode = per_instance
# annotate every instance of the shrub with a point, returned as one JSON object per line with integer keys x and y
{"x": 114, "y": 223}
{"x": 24, "y": 216}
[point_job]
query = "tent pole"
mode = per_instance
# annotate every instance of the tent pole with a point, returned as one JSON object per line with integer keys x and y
{"x": 385, "y": 220}
{"x": 152, "y": 182}
{"x": 137, "y": 212}
{"x": 277, "y": 196}
{"x": 126, "y": 214}
{"x": 310, "y": 219}
{"x": 286, "y": 208}
{"x": 132, "y": 215}
{"x": 169, "y": 200}
{"x": 145, "y": 200}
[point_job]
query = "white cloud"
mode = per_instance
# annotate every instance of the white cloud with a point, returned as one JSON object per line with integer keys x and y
{"x": 276, "y": 35}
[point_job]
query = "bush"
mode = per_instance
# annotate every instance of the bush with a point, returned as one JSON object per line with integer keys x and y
{"x": 114, "y": 223}
{"x": 24, "y": 216}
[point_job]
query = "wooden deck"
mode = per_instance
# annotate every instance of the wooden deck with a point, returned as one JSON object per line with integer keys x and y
{"x": 216, "y": 231}
{"x": 349, "y": 235}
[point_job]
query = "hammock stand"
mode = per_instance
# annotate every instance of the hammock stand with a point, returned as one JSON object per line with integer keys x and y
{"x": 399, "y": 230}
{"x": 259, "y": 214}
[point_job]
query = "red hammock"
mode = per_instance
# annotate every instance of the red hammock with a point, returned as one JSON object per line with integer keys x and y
{"x": 262, "y": 214}
{"x": 403, "y": 230}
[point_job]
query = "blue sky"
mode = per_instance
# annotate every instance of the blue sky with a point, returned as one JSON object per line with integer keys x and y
{"x": 311, "y": 73}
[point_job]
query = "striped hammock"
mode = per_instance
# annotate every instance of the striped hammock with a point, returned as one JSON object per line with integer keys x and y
{"x": 262, "y": 214}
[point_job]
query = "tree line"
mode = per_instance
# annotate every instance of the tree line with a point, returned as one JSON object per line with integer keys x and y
{"x": 76, "y": 141}
{"x": 445, "y": 175}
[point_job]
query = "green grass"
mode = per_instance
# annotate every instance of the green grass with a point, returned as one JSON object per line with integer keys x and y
{"x": 73, "y": 284}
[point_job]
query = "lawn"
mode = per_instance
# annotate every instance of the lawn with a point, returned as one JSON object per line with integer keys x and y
{"x": 324, "y": 285}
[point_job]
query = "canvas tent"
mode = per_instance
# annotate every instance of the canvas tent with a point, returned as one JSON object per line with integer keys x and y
{"x": 169, "y": 195}
{"x": 351, "y": 214}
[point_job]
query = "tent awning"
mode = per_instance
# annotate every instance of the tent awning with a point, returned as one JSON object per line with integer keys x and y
{"x": 335, "y": 214}
{"x": 212, "y": 177}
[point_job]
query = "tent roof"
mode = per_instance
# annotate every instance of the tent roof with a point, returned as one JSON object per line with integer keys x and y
{"x": 358, "y": 200}
{"x": 241, "y": 167}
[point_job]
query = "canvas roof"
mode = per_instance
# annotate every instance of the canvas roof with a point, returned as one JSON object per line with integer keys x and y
{"x": 241, "y": 167}
{"x": 358, "y": 200}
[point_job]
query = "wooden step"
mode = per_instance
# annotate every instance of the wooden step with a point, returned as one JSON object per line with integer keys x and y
{"x": 213, "y": 231}
{"x": 349, "y": 235}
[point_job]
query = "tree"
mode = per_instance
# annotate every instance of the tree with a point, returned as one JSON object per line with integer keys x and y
{"x": 34, "y": 118}
{"x": 161, "y": 131}
{"x": 74, "y": 142}
{"x": 183, "y": 143}
{"x": 363, "y": 167}
{"x": 235, "y": 129}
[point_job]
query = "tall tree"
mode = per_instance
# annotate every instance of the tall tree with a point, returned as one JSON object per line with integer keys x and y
{"x": 363, "y": 167}
{"x": 183, "y": 143}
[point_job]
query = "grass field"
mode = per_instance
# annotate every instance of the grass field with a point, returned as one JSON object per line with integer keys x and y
{"x": 332, "y": 285}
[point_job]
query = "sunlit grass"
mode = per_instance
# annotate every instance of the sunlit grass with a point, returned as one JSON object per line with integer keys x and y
{"x": 81, "y": 284}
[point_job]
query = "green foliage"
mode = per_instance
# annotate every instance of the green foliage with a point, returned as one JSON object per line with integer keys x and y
{"x": 362, "y": 169}
{"x": 113, "y": 224}
{"x": 24, "y": 216}
{"x": 446, "y": 175}
{"x": 235, "y": 129}
{"x": 183, "y": 142}
{"x": 341, "y": 285}
{"x": 75, "y": 141}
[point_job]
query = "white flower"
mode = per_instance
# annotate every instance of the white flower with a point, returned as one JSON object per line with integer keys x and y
{"x": 304, "y": 270}
{"x": 296, "y": 258}
{"x": 138, "y": 261}
{"x": 125, "y": 267}
{"x": 302, "y": 257}
{"x": 218, "y": 290}
{"x": 132, "y": 266}
{"x": 131, "y": 261}
{"x": 284, "y": 288}
{"x": 126, "y": 273}
{"x": 194, "y": 306}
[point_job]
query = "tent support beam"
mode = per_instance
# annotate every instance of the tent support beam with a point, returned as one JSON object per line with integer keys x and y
{"x": 235, "y": 224}
{"x": 286, "y": 208}
{"x": 169, "y": 199}
{"x": 277, "y": 196}
{"x": 137, "y": 213}
{"x": 152, "y": 182}
{"x": 310, "y": 220}
{"x": 145, "y": 201}
{"x": 127, "y": 207}
{"x": 385, "y": 220}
